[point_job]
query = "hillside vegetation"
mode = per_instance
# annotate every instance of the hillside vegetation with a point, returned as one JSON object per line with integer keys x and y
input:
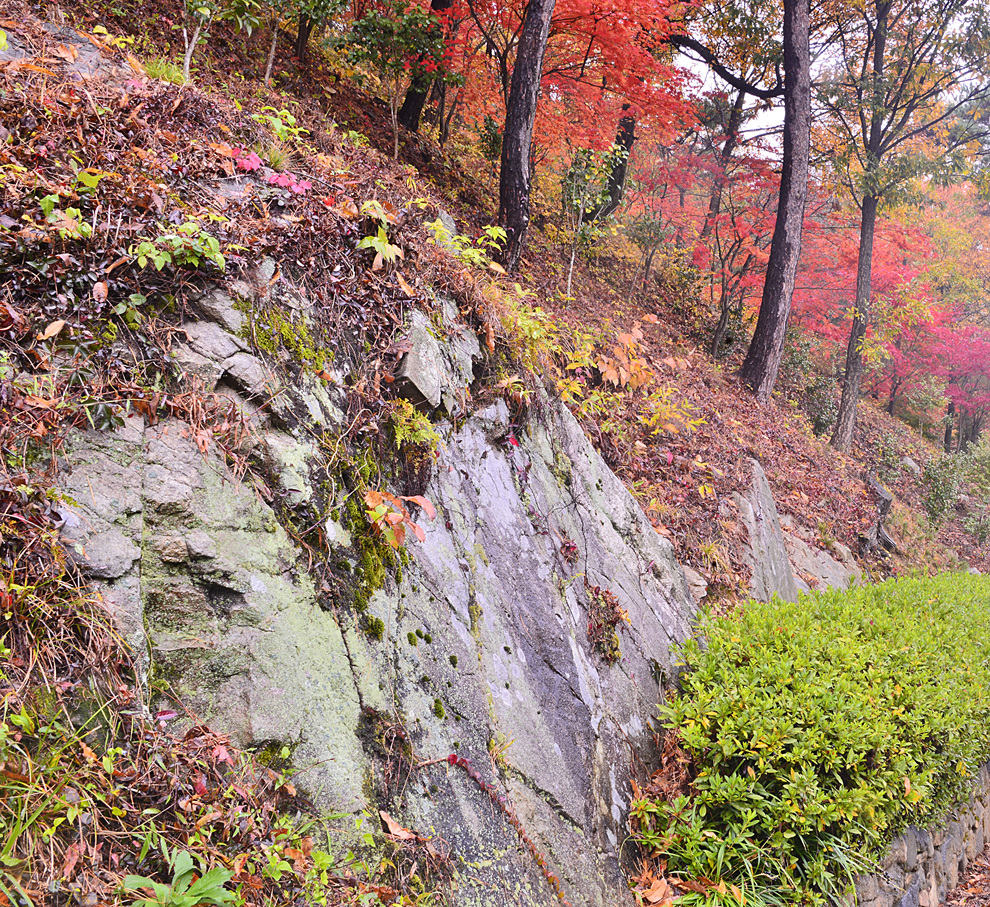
{"x": 127, "y": 191}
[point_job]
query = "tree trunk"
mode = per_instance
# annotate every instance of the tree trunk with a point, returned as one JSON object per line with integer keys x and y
{"x": 845, "y": 422}
{"x": 950, "y": 413}
{"x": 191, "y": 45}
{"x": 271, "y": 53}
{"x": 412, "y": 107}
{"x": 723, "y": 323}
{"x": 305, "y": 29}
{"x": 625, "y": 136}
{"x": 731, "y": 139}
{"x": 517, "y": 139}
{"x": 759, "y": 370}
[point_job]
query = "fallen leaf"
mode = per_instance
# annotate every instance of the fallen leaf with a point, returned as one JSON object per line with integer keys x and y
{"x": 408, "y": 290}
{"x": 52, "y": 329}
{"x": 396, "y": 830}
{"x": 67, "y": 52}
{"x": 100, "y": 291}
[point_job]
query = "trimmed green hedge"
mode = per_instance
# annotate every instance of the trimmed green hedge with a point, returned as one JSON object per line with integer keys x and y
{"x": 818, "y": 730}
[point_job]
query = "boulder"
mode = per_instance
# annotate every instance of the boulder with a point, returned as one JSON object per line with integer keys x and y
{"x": 909, "y": 465}
{"x": 767, "y": 554}
{"x": 435, "y": 372}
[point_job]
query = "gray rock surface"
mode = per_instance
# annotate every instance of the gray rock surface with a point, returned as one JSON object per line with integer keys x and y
{"x": 212, "y": 341}
{"x": 484, "y": 645}
{"x": 784, "y": 557}
{"x": 218, "y": 307}
{"x": 191, "y": 363}
{"x": 823, "y": 570}
{"x": 909, "y": 465}
{"x": 767, "y": 554}
{"x": 435, "y": 372}
{"x": 422, "y": 368}
{"x": 249, "y": 375}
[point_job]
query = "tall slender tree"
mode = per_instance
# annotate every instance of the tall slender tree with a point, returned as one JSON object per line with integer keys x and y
{"x": 759, "y": 369}
{"x": 907, "y": 67}
{"x": 517, "y": 139}
{"x": 762, "y": 362}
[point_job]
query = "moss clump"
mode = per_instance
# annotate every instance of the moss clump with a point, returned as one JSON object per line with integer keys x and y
{"x": 419, "y": 633}
{"x": 273, "y": 333}
{"x": 475, "y": 613}
{"x": 275, "y": 754}
{"x": 453, "y": 661}
{"x": 374, "y": 627}
{"x": 375, "y": 557}
{"x": 413, "y": 641}
{"x": 438, "y": 709}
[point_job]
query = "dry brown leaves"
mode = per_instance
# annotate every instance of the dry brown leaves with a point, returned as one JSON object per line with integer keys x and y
{"x": 973, "y": 889}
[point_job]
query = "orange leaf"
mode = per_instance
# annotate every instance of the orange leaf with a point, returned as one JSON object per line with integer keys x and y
{"x": 373, "y": 498}
{"x": 396, "y": 830}
{"x": 67, "y": 52}
{"x": 40, "y": 402}
{"x": 408, "y": 290}
{"x": 430, "y": 510}
{"x": 418, "y": 531}
{"x": 100, "y": 291}
{"x": 52, "y": 329}
{"x": 32, "y": 68}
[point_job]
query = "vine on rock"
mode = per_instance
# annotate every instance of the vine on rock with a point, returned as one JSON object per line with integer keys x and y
{"x": 503, "y": 804}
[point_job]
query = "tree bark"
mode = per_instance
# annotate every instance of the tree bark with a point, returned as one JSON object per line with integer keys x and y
{"x": 517, "y": 140}
{"x": 303, "y": 32}
{"x": 950, "y": 413}
{"x": 845, "y": 422}
{"x": 759, "y": 370}
{"x": 412, "y": 107}
{"x": 625, "y": 136}
{"x": 271, "y": 53}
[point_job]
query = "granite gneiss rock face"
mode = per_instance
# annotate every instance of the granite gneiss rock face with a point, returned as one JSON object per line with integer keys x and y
{"x": 479, "y": 648}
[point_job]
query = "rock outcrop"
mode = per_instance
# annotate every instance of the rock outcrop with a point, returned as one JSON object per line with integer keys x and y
{"x": 477, "y": 646}
{"x": 784, "y": 559}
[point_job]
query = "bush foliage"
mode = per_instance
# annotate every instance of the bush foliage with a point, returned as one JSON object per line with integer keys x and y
{"x": 820, "y": 729}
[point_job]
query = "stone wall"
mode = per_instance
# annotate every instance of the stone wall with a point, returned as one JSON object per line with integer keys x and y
{"x": 923, "y": 866}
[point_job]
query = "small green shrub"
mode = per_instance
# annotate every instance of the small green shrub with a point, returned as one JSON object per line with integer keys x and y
{"x": 888, "y": 458}
{"x": 941, "y": 482}
{"x": 818, "y": 730}
{"x": 820, "y": 405}
{"x": 410, "y": 426}
{"x": 165, "y": 70}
